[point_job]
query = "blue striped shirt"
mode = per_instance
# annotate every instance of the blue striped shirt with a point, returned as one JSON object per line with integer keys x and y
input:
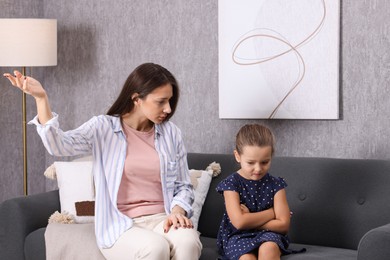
{"x": 103, "y": 136}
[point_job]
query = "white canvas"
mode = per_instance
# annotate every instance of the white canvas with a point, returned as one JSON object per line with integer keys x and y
{"x": 279, "y": 59}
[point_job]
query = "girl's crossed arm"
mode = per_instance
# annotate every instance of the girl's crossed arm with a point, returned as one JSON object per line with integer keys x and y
{"x": 281, "y": 222}
{"x": 276, "y": 219}
{"x": 242, "y": 220}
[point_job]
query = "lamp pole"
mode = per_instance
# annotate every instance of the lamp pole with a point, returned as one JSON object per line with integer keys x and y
{"x": 24, "y": 127}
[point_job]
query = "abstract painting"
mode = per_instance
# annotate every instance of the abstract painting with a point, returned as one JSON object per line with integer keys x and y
{"x": 279, "y": 59}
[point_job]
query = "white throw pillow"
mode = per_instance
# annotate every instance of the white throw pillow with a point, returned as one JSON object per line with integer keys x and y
{"x": 201, "y": 187}
{"x": 75, "y": 183}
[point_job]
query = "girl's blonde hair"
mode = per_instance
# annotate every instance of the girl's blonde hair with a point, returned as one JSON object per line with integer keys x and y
{"x": 254, "y": 135}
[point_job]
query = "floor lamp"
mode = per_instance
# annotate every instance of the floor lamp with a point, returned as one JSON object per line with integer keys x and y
{"x": 27, "y": 43}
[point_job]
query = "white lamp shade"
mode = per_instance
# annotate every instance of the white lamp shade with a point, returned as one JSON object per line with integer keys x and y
{"x": 28, "y": 42}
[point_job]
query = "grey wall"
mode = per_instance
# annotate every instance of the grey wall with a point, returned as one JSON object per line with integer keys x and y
{"x": 100, "y": 42}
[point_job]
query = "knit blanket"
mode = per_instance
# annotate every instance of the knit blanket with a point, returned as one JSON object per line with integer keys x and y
{"x": 71, "y": 242}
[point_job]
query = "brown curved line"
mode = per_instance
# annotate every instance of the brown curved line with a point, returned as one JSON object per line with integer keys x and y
{"x": 267, "y": 59}
{"x": 283, "y": 53}
{"x": 318, "y": 27}
{"x": 293, "y": 88}
{"x": 274, "y": 57}
{"x": 297, "y": 83}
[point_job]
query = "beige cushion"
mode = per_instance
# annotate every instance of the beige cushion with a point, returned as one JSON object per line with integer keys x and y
{"x": 201, "y": 181}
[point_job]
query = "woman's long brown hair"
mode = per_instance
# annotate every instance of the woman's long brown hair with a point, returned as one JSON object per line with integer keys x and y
{"x": 143, "y": 80}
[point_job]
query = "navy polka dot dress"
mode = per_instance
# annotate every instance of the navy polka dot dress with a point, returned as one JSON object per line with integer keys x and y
{"x": 257, "y": 196}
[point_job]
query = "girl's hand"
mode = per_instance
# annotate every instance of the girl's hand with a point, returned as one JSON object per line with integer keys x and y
{"x": 177, "y": 219}
{"x": 28, "y": 85}
{"x": 244, "y": 208}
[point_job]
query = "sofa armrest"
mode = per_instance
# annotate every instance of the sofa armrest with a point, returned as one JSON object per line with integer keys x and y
{"x": 20, "y": 216}
{"x": 374, "y": 245}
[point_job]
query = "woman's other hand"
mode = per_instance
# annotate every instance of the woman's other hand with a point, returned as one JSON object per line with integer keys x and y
{"x": 28, "y": 85}
{"x": 177, "y": 219}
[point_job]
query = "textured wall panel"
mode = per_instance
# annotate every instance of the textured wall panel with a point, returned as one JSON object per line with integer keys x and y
{"x": 100, "y": 42}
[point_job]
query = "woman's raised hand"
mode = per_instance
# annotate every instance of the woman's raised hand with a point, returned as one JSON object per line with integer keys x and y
{"x": 32, "y": 87}
{"x": 28, "y": 85}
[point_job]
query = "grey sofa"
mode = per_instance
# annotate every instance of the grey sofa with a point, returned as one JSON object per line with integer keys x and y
{"x": 341, "y": 210}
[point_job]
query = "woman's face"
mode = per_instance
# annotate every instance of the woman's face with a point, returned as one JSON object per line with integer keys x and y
{"x": 155, "y": 106}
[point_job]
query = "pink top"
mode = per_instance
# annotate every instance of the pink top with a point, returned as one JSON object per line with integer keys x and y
{"x": 140, "y": 191}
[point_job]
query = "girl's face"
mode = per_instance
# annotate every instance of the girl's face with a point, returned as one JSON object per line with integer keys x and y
{"x": 155, "y": 106}
{"x": 255, "y": 161}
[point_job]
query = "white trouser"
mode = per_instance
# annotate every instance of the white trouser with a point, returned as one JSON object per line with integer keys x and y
{"x": 147, "y": 240}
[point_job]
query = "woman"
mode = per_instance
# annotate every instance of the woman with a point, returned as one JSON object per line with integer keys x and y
{"x": 143, "y": 191}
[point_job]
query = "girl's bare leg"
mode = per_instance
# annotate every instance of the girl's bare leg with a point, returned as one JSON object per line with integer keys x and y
{"x": 249, "y": 256}
{"x": 269, "y": 251}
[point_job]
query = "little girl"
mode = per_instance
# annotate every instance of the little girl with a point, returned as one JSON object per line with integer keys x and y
{"x": 257, "y": 215}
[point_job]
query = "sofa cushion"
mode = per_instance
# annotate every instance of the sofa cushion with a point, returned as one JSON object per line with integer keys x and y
{"x": 213, "y": 206}
{"x": 200, "y": 191}
{"x": 321, "y": 252}
{"x": 209, "y": 250}
{"x": 338, "y": 198}
{"x": 312, "y": 252}
{"x": 34, "y": 245}
{"x": 75, "y": 183}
